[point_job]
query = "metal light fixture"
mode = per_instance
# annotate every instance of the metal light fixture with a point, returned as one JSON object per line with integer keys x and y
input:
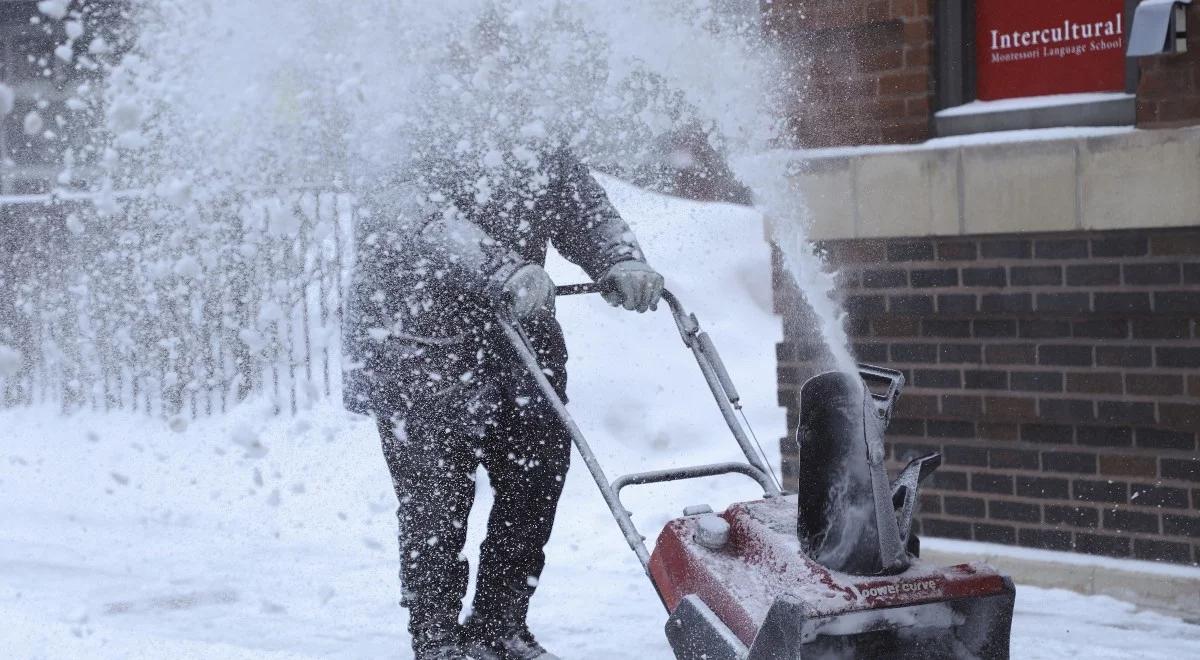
{"x": 1159, "y": 27}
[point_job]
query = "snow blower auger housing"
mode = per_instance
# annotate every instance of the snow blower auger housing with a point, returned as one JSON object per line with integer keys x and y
{"x": 832, "y": 571}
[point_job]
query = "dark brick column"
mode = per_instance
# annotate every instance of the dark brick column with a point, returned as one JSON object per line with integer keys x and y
{"x": 1058, "y": 374}
{"x": 1168, "y": 92}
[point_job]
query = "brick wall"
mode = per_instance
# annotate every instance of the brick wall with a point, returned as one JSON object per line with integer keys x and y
{"x": 1168, "y": 92}
{"x": 861, "y": 72}
{"x": 859, "y": 69}
{"x": 1058, "y": 374}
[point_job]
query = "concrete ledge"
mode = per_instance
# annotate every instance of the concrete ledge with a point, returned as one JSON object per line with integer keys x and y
{"x": 1119, "y": 110}
{"x": 1026, "y": 181}
{"x": 1167, "y": 588}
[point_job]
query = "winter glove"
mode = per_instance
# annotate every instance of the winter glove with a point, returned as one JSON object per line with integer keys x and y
{"x": 632, "y": 284}
{"x": 528, "y": 291}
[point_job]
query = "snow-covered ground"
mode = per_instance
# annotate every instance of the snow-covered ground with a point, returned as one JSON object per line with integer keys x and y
{"x": 252, "y": 536}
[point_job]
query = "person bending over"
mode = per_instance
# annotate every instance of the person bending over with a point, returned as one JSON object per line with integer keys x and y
{"x": 437, "y": 256}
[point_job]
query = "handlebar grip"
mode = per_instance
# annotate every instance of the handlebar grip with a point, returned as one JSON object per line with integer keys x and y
{"x": 577, "y": 289}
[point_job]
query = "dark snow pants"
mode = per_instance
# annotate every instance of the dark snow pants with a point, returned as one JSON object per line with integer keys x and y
{"x": 433, "y": 459}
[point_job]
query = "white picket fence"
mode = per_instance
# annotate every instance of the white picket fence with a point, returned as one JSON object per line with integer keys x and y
{"x": 173, "y": 311}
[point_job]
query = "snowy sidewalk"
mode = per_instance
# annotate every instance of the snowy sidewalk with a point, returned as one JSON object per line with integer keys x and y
{"x": 252, "y": 536}
{"x": 185, "y": 554}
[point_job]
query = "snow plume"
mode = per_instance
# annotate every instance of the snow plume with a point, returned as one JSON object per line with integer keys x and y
{"x": 810, "y": 275}
{"x": 768, "y": 174}
{"x": 274, "y": 92}
{"x": 234, "y": 137}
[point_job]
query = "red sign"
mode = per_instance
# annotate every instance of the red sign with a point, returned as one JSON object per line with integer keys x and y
{"x": 1037, "y": 47}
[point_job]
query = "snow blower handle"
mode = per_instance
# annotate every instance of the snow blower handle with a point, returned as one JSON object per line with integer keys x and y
{"x": 689, "y": 329}
{"x": 711, "y": 366}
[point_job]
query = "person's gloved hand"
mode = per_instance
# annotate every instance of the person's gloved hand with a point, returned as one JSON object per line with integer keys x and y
{"x": 633, "y": 285}
{"x": 528, "y": 291}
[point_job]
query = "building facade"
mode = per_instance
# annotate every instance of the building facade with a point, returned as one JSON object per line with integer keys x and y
{"x": 1013, "y": 205}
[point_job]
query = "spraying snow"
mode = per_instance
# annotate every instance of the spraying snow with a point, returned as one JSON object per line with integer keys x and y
{"x": 235, "y": 142}
{"x": 810, "y": 275}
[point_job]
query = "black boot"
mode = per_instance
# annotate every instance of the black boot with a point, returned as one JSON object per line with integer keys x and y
{"x": 435, "y": 632}
{"x": 438, "y": 645}
{"x": 501, "y": 641}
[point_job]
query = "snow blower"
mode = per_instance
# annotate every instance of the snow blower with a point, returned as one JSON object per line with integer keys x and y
{"x": 831, "y": 571}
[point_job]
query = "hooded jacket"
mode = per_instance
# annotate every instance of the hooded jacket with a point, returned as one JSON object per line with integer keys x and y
{"x": 433, "y": 253}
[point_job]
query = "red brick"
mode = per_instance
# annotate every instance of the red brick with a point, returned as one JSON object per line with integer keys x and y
{"x": 950, "y": 529}
{"x": 858, "y": 88}
{"x": 1154, "y": 384}
{"x": 962, "y": 406}
{"x": 918, "y": 107}
{"x": 896, "y": 327}
{"x": 1175, "y": 110}
{"x": 1068, "y": 461}
{"x": 1091, "y": 382}
{"x": 909, "y": 8}
{"x": 891, "y": 108}
{"x": 848, "y": 252}
{"x": 1067, "y": 410}
{"x": 1175, "y": 244}
{"x": 1113, "y": 546}
{"x": 918, "y": 31}
{"x": 1147, "y": 112}
{"x": 1132, "y": 466}
{"x": 1131, "y": 521}
{"x": 917, "y": 405}
{"x": 1179, "y": 415}
{"x": 910, "y": 131}
{"x": 1161, "y": 551}
{"x": 1163, "y": 83}
{"x": 918, "y": 56}
{"x": 902, "y": 83}
{"x": 997, "y": 431}
{"x": 882, "y": 59}
{"x": 1010, "y": 407}
{"x": 1010, "y": 354}
{"x": 957, "y": 251}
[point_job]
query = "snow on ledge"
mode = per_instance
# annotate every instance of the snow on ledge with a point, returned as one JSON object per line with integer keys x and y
{"x": 1031, "y": 102}
{"x": 956, "y": 141}
{"x": 977, "y": 549}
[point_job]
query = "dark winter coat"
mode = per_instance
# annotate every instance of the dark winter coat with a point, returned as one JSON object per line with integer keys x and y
{"x": 433, "y": 253}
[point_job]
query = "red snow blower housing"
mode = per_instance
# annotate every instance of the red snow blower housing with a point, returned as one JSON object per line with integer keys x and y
{"x": 831, "y": 571}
